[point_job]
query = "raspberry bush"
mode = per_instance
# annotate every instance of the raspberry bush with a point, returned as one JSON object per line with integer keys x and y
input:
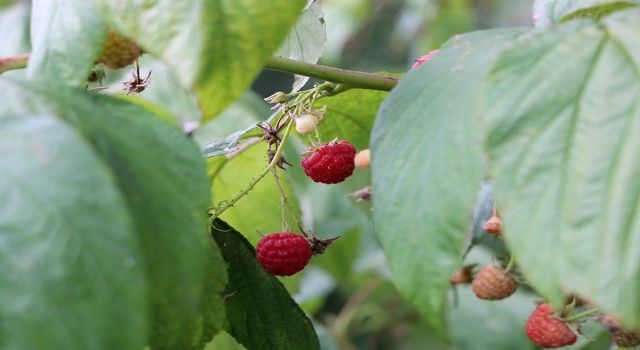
{"x": 483, "y": 195}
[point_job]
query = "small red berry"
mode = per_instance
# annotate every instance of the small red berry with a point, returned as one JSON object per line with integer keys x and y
{"x": 330, "y": 163}
{"x": 546, "y": 330}
{"x": 492, "y": 283}
{"x": 283, "y": 253}
{"x": 493, "y": 226}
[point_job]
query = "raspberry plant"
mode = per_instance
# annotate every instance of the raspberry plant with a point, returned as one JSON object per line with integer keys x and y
{"x": 138, "y": 206}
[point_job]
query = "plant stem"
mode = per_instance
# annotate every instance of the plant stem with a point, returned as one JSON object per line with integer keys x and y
{"x": 351, "y": 79}
{"x": 13, "y": 62}
{"x": 227, "y": 204}
{"x": 581, "y": 315}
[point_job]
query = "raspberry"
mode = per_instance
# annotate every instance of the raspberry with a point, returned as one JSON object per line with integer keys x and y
{"x": 118, "y": 51}
{"x": 622, "y": 337}
{"x": 420, "y": 61}
{"x": 363, "y": 159}
{"x": 306, "y": 123}
{"x": 493, "y": 226}
{"x": 330, "y": 163}
{"x": 492, "y": 283}
{"x": 283, "y": 253}
{"x": 546, "y": 330}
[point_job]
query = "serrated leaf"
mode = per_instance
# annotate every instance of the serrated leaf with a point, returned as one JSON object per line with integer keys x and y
{"x": 564, "y": 112}
{"x": 428, "y": 166}
{"x": 350, "y": 115}
{"x": 163, "y": 176}
{"x": 215, "y": 47}
{"x": 72, "y": 270}
{"x": 66, "y": 36}
{"x": 305, "y": 41}
{"x": 260, "y": 312}
{"x": 549, "y": 12}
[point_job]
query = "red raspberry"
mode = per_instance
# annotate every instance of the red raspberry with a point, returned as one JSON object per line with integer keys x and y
{"x": 547, "y": 331}
{"x": 492, "y": 283}
{"x": 284, "y": 253}
{"x": 331, "y": 163}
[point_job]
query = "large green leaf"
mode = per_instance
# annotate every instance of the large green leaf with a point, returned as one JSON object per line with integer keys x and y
{"x": 260, "y": 312}
{"x": 216, "y": 47}
{"x": 14, "y": 29}
{"x": 72, "y": 272}
{"x": 564, "y": 115}
{"x": 350, "y": 115}
{"x": 549, "y": 12}
{"x": 66, "y": 36}
{"x": 428, "y": 167}
{"x": 305, "y": 41}
{"x": 164, "y": 179}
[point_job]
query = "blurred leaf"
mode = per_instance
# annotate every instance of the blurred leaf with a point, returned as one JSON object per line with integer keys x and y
{"x": 223, "y": 341}
{"x": 163, "y": 176}
{"x": 453, "y": 17}
{"x": 260, "y": 312}
{"x": 215, "y": 47}
{"x": 14, "y": 29}
{"x": 549, "y": 12}
{"x": 70, "y": 258}
{"x": 564, "y": 114}
{"x": 212, "y": 306}
{"x": 305, "y": 41}
{"x": 479, "y": 324}
{"x": 67, "y": 37}
{"x": 350, "y": 115}
{"x": 428, "y": 166}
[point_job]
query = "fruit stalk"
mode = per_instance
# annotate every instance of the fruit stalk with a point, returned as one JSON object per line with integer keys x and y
{"x": 227, "y": 204}
{"x": 13, "y": 62}
{"x": 348, "y": 78}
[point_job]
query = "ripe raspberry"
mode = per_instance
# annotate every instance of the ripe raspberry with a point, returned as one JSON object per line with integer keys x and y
{"x": 546, "y": 330}
{"x": 118, "y": 51}
{"x": 420, "y": 61}
{"x": 363, "y": 159}
{"x": 283, "y": 253}
{"x": 331, "y": 163}
{"x": 492, "y": 283}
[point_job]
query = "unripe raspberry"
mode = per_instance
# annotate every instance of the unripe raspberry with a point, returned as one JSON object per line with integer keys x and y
{"x": 546, "y": 330}
{"x": 306, "y": 123}
{"x": 622, "y": 337}
{"x": 493, "y": 226}
{"x": 463, "y": 276}
{"x": 118, "y": 51}
{"x": 363, "y": 159}
{"x": 283, "y": 253}
{"x": 492, "y": 283}
{"x": 331, "y": 163}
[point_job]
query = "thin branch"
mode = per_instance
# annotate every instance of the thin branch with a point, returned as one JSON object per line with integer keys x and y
{"x": 13, "y": 62}
{"x": 350, "y": 79}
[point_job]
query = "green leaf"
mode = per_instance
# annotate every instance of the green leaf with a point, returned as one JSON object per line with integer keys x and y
{"x": 564, "y": 110}
{"x": 14, "y": 29}
{"x": 549, "y": 12}
{"x": 305, "y": 41}
{"x": 72, "y": 272}
{"x": 66, "y": 36}
{"x": 163, "y": 176}
{"x": 260, "y": 312}
{"x": 350, "y": 115}
{"x": 428, "y": 166}
{"x": 215, "y": 47}
{"x": 478, "y": 324}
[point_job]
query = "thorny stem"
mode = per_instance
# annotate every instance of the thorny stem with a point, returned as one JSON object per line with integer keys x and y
{"x": 581, "y": 315}
{"x": 283, "y": 199}
{"x": 13, "y": 62}
{"x": 229, "y": 203}
{"x": 347, "y": 78}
